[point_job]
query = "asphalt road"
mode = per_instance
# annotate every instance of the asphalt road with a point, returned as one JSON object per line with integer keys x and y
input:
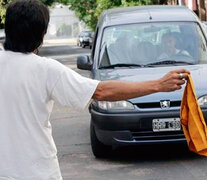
{"x": 71, "y": 134}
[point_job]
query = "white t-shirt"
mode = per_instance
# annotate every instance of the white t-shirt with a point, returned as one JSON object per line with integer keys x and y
{"x": 28, "y": 86}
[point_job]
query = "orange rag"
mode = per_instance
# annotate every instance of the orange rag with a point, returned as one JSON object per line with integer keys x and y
{"x": 192, "y": 120}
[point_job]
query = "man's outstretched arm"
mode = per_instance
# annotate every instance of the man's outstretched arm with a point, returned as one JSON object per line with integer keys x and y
{"x": 121, "y": 90}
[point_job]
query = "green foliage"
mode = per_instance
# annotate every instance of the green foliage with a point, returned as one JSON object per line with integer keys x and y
{"x": 3, "y": 6}
{"x": 86, "y": 11}
{"x": 50, "y": 2}
{"x": 106, "y": 4}
{"x": 47, "y": 2}
{"x": 65, "y": 2}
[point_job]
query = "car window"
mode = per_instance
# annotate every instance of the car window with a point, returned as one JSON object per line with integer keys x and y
{"x": 87, "y": 34}
{"x": 202, "y": 47}
{"x": 152, "y": 42}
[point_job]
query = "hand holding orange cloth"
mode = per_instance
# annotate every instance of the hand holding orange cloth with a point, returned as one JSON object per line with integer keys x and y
{"x": 192, "y": 120}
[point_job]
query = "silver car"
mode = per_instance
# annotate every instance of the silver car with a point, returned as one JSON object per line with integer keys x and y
{"x": 140, "y": 44}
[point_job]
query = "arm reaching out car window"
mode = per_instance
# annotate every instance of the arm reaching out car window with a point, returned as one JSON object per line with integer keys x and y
{"x": 121, "y": 90}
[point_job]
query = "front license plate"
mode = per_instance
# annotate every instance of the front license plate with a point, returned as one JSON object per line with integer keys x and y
{"x": 168, "y": 124}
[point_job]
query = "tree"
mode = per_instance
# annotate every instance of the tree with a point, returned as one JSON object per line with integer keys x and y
{"x": 86, "y": 11}
{"x": 3, "y": 5}
{"x": 65, "y": 2}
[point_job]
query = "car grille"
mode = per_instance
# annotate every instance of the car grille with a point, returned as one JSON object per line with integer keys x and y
{"x": 149, "y": 135}
{"x": 157, "y": 104}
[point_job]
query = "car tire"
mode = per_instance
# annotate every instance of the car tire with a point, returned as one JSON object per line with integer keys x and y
{"x": 98, "y": 148}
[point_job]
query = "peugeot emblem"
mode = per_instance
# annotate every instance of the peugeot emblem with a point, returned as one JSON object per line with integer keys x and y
{"x": 165, "y": 104}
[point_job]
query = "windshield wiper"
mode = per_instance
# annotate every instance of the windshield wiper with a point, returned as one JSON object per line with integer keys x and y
{"x": 169, "y": 62}
{"x": 121, "y": 65}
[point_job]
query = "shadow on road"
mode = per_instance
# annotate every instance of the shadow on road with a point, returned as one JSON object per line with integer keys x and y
{"x": 153, "y": 153}
{"x": 62, "y": 50}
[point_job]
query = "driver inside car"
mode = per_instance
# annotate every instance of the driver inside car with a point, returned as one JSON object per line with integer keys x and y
{"x": 169, "y": 49}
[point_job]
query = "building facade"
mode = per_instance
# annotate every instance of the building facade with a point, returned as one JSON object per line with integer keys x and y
{"x": 198, "y": 6}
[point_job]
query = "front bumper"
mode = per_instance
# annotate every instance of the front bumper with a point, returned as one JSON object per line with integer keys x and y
{"x": 134, "y": 128}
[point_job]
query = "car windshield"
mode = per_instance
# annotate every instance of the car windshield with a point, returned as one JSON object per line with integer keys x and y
{"x": 153, "y": 44}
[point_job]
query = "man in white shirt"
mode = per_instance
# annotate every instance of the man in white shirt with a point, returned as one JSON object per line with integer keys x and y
{"x": 30, "y": 84}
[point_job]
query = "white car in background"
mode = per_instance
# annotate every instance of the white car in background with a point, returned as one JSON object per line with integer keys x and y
{"x": 1, "y": 47}
{"x": 2, "y": 36}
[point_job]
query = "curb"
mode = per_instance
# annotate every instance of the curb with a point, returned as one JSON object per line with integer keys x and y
{"x": 51, "y": 42}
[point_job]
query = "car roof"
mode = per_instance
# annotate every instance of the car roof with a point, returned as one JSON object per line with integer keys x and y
{"x": 140, "y": 14}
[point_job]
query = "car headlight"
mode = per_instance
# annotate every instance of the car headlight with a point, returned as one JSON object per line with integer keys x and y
{"x": 117, "y": 105}
{"x": 81, "y": 39}
{"x": 202, "y": 100}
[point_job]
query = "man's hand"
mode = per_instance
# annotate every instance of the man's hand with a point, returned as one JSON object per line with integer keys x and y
{"x": 173, "y": 80}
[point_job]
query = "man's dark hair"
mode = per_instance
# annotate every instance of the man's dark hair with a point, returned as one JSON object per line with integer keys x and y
{"x": 25, "y": 25}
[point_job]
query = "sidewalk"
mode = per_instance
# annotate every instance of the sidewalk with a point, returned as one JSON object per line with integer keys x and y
{"x": 52, "y": 42}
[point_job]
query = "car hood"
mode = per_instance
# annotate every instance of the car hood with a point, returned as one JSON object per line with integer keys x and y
{"x": 198, "y": 73}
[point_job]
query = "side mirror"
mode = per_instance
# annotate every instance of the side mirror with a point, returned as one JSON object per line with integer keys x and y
{"x": 83, "y": 62}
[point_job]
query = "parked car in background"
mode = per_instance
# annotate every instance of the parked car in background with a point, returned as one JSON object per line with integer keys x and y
{"x": 1, "y": 46}
{"x": 85, "y": 38}
{"x": 2, "y": 35}
{"x": 139, "y": 44}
